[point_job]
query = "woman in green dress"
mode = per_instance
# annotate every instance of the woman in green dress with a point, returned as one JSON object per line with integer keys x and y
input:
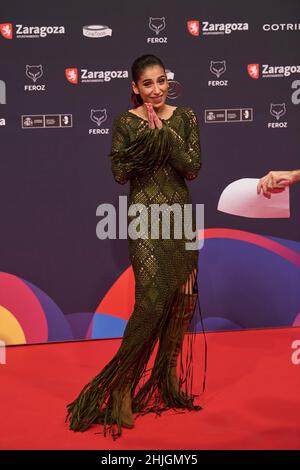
{"x": 156, "y": 147}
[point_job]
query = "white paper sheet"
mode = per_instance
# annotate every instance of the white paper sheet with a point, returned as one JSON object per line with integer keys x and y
{"x": 241, "y": 198}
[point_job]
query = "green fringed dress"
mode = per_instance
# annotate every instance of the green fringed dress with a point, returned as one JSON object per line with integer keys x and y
{"x": 156, "y": 162}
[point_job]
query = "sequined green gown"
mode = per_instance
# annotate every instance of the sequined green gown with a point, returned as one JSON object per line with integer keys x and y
{"x": 157, "y": 162}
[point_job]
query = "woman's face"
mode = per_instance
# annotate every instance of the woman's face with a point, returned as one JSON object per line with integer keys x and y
{"x": 152, "y": 86}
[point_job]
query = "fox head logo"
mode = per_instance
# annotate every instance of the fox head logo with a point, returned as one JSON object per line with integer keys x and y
{"x": 277, "y": 110}
{"x": 193, "y": 27}
{"x": 217, "y": 67}
{"x": 72, "y": 75}
{"x": 34, "y": 72}
{"x": 6, "y": 30}
{"x": 157, "y": 24}
{"x": 98, "y": 116}
{"x": 253, "y": 70}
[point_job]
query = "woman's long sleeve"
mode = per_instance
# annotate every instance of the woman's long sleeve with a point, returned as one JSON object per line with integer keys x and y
{"x": 185, "y": 154}
{"x": 119, "y": 142}
{"x": 148, "y": 152}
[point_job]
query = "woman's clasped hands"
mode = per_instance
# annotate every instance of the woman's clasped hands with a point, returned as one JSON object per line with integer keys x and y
{"x": 153, "y": 120}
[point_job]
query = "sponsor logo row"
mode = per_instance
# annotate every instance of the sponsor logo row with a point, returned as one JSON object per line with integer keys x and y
{"x": 255, "y": 71}
{"x": 99, "y": 117}
{"x": 75, "y": 75}
{"x": 195, "y": 27}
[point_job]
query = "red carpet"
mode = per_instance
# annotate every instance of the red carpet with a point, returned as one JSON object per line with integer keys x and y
{"x": 252, "y": 397}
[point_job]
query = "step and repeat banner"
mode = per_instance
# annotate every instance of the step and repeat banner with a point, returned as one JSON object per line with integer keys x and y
{"x": 65, "y": 73}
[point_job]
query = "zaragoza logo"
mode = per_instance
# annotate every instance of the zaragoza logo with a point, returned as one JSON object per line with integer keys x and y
{"x": 72, "y": 75}
{"x": 253, "y": 70}
{"x": 193, "y": 27}
{"x": 6, "y": 30}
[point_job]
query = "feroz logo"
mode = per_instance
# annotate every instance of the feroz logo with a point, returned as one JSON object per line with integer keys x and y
{"x": 6, "y": 30}
{"x": 193, "y": 27}
{"x": 217, "y": 67}
{"x": 277, "y": 110}
{"x": 157, "y": 24}
{"x": 2, "y": 352}
{"x": 72, "y": 75}
{"x": 295, "y": 358}
{"x": 253, "y": 70}
{"x": 2, "y": 92}
{"x": 98, "y": 116}
{"x": 34, "y": 72}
